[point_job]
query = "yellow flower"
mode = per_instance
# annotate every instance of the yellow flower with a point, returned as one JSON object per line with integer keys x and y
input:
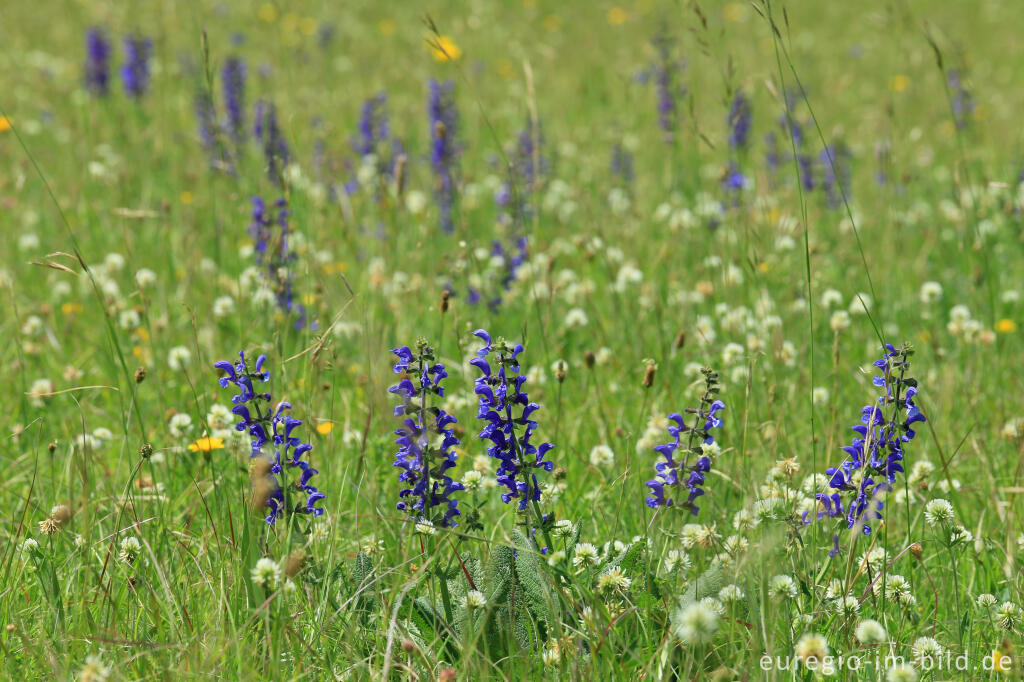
{"x": 1001, "y": 661}
{"x": 268, "y": 13}
{"x": 206, "y": 445}
{"x": 1006, "y": 326}
{"x": 899, "y": 83}
{"x": 70, "y": 308}
{"x": 386, "y": 27}
{"x": 617, "y": 16}
{"x": 5, "y": 124}
{"x": 444, "y": 49}
{"x": 323, "y": 428}
{"x": 185, "y": 197}
{"x": 735, "y": 11}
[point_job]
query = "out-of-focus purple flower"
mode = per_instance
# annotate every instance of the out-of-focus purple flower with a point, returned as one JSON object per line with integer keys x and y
{"x": 835, "y": 182}
{"x": 273, "y": 252}
{"x": 233, "y": 85}
{"x": 740, "y": 116}
{"x": 883, "y": 156}
{"x": 962, "y": 102}
{"x": 687, "y": 464}
{"x": 135, "y": 70}
{"x": 622, "y": 164}
{"x": 373, "y": 125}
{"x": 275, "y": 148}
{"x": 876, "y": 454}
{"x": 206, "y": 118}
{"x": 424, "y": 465}
{"x": 271, "y": 428}
{"x": 528, "y": 166}
{"x": 498, "y": 395}
{"x": 444, "y": 148}
{"x": 666, "y": 71}
{"x": 97, "y": 62}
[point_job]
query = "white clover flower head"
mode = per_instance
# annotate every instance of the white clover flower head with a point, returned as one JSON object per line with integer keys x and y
{"x": 79, "y": 541}
{"x": 425, "y": 527}
{"x": 551, "y": 654}
{"x": 695, "y": 624}
{"x": 38, "y": 391}
{"x": 601, "y": 456}
{"x": 939, "y": 512}
{"x": 471, "y": 480}
{"x": 926, "y": 650}
{"x": 713, "y": 604}
{"x": 613, "y": 580}
{"x": 29, "y": 545}
{"x": 677, "y": 561}
{"x": 869, "y": 631}
{"x": 986, "y": 601}
{"x": 266, "y": 574}
{"x": 563, "y": 528}
{"x": 930, "y": 292}
{"x": 731, "y": 593}
{"x": 875, "y": 559}
{"x": 839, "y": 321}
{"x": 831, "y": 298}
{"x": 223, "y": 306}
{"x": 819, "y": 395}
{"x": 901, "y": 672}
{"x": 180, "y": 424}
{"x": 585, "y": 555}
{"x": 475, "y": 599}
{"x": 744, "y": 521}
{"x": 711, "y": 450}
{"x": 811, "y": 649}
{"x": 131, "y": 548}
{"x": 576, "y": 317}
{"x": 94, "y": 670}
{"x": 1008, "y": 616}
{"x": 782, "y": 587}
{"x": 847, "y": 607}
{"x": 178, "y": 358}
{"x": 145, "y": 278}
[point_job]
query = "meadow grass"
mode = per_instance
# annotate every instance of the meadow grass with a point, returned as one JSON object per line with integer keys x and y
{"x": 644, "y": 234}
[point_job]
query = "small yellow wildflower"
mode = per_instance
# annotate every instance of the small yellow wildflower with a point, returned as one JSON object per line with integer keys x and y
{"x": 386, "y": 27}
{"x": 185, "y": 197}
{"x": 899, "y": 83}
{"x": 444, "y": 49}
{"x": 617, "y": 16}
{"x": 5, "y": 124}
{"x": 71, "y": 308}
{"x": 1006, "y": 326}
{"x": 206, "y": 445}
{"x": 323, "y": 428}
{"x": 268, "y": 13}
{"x": 1001, "y": 661}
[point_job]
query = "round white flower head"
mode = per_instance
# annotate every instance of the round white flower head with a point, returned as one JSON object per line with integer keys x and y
{"x": 563, "y": 528}
{"x": 839, "y": 321}
{"x": 585, "y": 555}
{"x": 811, "y": 649}
{"x": 714, "y": 605}
{"x": 178, "y": 358}
{"x": 130, "y": 549}
{"x": 223, "y": 306}
{"x": 266, "y": 574}
{"x": 782, "y": 587}
{"x": 986, "y": 601}
{"x": 471, "y": 480}
{"x": 930, "y": 292}
{"x": 938, "y": 512}
{"x": 602, "y": 457}
{"x": 847, "y": 607}
{"x": 744, "y": 520}
{"x": 145, "y": 278}
{"x": 869, "y": 632}
{"x": 179, "y": 424}
{"x": 926, "y": 651}
{"x": 94, "y": 670}
{"x": 29, "y": 545}
{"x": 830, "y": 298}
{"x": 901, "y": 672}
{"x": 695, "y": 624}
{"x": 1008, "y": 616}
{"x": 677, "y": 561}
{"x": 576, "y": 317}
{"x": 426, "y": 527}
{"x": 475, "y": 599}
{"x": 730, "y": 593}
{"x": 551, "y": 655}
{"x": 613, "y": 580}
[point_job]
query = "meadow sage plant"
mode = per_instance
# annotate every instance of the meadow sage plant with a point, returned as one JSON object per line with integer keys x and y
{"x": 425, "y": 440}
{"x": 687, "y": 465}
{"x": 877, "y": 451}
{"x": 271, "y": 428}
